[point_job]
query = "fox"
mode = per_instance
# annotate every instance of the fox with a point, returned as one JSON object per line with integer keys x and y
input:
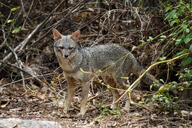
{"x": 113, "y": 60}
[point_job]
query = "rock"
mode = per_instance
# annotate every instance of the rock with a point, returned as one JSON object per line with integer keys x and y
{"x": 19, "y": 123}
{"x": 184, "y": 113}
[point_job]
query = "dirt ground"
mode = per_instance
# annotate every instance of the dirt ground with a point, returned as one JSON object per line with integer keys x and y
{"x": 18, "y": 103}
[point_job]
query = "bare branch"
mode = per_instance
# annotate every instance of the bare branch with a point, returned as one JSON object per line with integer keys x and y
{"x": 29, "y": 37}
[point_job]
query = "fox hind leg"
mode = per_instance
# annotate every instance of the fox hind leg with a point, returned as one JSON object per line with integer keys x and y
{"x": 124, "y": 84}
{"x": 116, "y": 96}
{"x": 115, "y": 93}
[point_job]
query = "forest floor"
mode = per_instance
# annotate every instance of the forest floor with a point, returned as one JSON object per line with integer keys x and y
{"x": 115, "y": 22}
{"x": 18, "y": 103}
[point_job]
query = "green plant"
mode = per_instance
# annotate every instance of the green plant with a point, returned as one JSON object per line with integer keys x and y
{"x": 11, "y": 19}
{"x": 180, "y": 34}
{"x": 179, "y": 17}
{"x": 108, "y": 112}
{"x": 165, "y": 99}
{"x": 177, "y": 40}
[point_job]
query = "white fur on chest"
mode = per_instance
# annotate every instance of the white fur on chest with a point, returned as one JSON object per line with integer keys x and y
{"x": 66, "y": 67}
{"x": 77, "y": 75}
{"x": 65, "y": 64}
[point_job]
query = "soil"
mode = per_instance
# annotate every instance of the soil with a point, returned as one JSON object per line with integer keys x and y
{"x": 16, "y": 102}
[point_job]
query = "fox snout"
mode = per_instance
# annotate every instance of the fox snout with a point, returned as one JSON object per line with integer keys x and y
{"x": 66, "y": 55}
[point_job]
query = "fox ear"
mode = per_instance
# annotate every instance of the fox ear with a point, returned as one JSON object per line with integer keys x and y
{"x": 56, "y": 35}
{"x": 75, "y": 36}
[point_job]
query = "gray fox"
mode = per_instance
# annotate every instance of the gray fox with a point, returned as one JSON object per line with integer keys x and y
{"x": 115, "y": 61}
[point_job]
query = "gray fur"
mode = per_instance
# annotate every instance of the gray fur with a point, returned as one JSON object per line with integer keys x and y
{"x": 114, "y": 60}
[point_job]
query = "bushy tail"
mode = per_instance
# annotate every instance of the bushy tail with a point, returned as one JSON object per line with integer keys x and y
{"x": 147, "y": 78}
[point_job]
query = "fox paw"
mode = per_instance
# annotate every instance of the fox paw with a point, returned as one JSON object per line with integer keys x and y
{"x": 113, "y": 106}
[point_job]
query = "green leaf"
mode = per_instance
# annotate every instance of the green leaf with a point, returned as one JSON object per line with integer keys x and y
{"x": 172, "y": 22}
{"x": 188, "y": 75}
{"x": 150, "y": 39}
{"x": 115, "y": 112}
{"x": 142, "y": 41}
{"x": 188, "y": 6}
{"x": 187, "y": 30}
{"x": 24, "y": 29}
{"x": 10, "y": 21}
{"x": 184, "y": 26}
{"x": 182, "y": 52}
{"x": 163, "y": 36}
{"x": 178, "y": 41}
{"x": 187, "y": 38}
{"x": 14, "y": 9}
{"x": 162, "y": 58}
{"x": 190, "y": 48}
{"x": 168, "y": 8}
{"x": 171, "y": 14}
{"x": 16, "y": 30}
{"x": 161, "y": 80}
{"x": 182, "y": 9}
{"x": 187, "y": 61}
{"x": 125, "y": 78}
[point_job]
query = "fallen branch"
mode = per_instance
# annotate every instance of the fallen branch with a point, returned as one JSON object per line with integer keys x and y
{"x": 26, "y": 78}
{"x": 27, "y": 70}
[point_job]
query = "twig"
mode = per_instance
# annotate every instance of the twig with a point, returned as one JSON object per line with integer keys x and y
{"x": 31, "y": 74}
{"x": 29, "y": 37}
{"x": 22, "y": 6}
{"x": 74, "y": 9}
{"x": 19, "y": 63}
{"x": 141, "y": 30}
{"x": 150, "y": 67}
{"x": 94, "y": 97}
{"x": 28, "y": 78}
{"x": 134, "y": 84}
{"x": 23, "y": 43}
{"x": 16, "y": 17}
{"x": 27, "y": 15}
{"x": 4, "y": 35}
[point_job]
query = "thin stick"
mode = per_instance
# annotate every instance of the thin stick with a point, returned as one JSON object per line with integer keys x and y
{"x": 29, "y": 37}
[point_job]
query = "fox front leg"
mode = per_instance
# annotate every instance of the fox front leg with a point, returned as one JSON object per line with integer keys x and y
{"x": 116, "y": 96}
{"x": 70, "y": 94}
{"x": 85, "y": 91}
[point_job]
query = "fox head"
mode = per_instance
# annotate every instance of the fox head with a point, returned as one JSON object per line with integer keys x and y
{"x": 66, "y": 46}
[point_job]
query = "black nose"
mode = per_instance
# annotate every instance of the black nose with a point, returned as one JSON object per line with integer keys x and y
{"x": 66, "y": 56}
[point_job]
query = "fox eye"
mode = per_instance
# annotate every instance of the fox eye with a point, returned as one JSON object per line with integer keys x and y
{"x": 61, "y": 47}
{"x": 70, "y": 48}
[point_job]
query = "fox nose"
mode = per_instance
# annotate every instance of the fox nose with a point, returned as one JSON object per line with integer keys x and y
{"x": 66, "y": 55}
